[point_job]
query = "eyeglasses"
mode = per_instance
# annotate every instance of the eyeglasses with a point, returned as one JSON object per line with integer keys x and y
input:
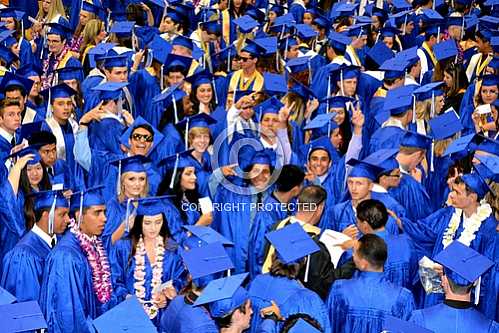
{"x": 142, "y": 137}
{"x": 395, "y": 176}
{"x": 243, "y": 59}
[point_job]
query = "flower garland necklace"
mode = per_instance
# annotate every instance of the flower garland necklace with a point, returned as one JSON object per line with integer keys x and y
{"x": 97, "y": 258}
{"x": 139, "y": 274}
{"x": 48, "y": 78}
{"x": 470, "y": 225}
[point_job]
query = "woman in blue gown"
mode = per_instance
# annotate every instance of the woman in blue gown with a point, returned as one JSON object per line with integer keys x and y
{"x": 147, "y": 260}
{"x": 16, "y": 207}
{"x": 133, "y": 184}
{"x": 487, "y": 94}
{"x": 24, "y": 52}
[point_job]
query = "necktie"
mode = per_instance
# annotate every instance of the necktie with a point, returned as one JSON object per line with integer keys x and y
{"x": 53, "y": 242}
{"x": 259, "y": 197}
{"x": 13, "y": 141}
{"x": 51, "y": 171}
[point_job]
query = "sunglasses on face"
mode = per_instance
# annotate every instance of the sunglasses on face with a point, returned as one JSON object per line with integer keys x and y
{"x": 142, "y": 137}
{"x": 243, "y": 59}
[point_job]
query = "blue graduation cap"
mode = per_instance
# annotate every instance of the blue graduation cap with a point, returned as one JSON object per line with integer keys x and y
{"x": 274, "y": 83}
{"x": 61, "y": 90}
{"x": 27, "y": 151}
{"x": 322, "y": 22}
{"x": 114, "y": 59}
{"x": 489, "y": 145}
{"x": 399, "y": 100}
{"x": 415, "y": 140}
{"x": 199, "y": 78}
{"x": 337, "y": 101}
{"x": 122, "y": 28}
{"x": 394, "y": 68}
{"x": 206, "y": 260}
{"x": 361, "y": 169}
{"x": 494, "y": 41}
{"x": 133, "y": 163}
{"x": 51, "y": 200}
{"x": 322, "y": 143}
{"x": 70, "y": 73}
{"x": 429, "y": 90}
{"x": 380, "y": 53}
{"x": 292, "y": 243}
{"x": 445, "y": 125}
{"x": 176, "y": 161}
{"x": 396, "y": 325}
{"x": 110, "y": 90}
{"x": 401, "y": 5}
{"x": 271, "y": 105}
{"x": 379, "y": 12}
{"x": 12, "y": 12}
{"x": 488, "y": 167}
{"x": 98, "y": 52}
{"x": 459, "y": 145}
{"x": 200, "y": 120}
{"x": 305, "y": 31}
{"x": 454, "y": 20}
{"x": 181, "y": 40}
{"x": 430, "y": 15}
{"x": 224, "y": 291}
{"x": 61, "y": 28}
{"x": 269, "y": 44}
{"x": 338, "y": 40}
{"x": 151, "y": 205}
{"x": 303, "y": 91}
{"x": 93, "y": 8}
{"x": 212, "y": 27}
{"x": 445, "y": 49}
{"x": 128, "y": 316}
{"x": 383, "y": 159}
{"x": 139, "y": 121}
{"x": 476, "y": 183}
{"x": 30, "y": 129}
{"x": 160, "y": 49}
{"x": 22, "y": 317}
{"x": 245, "y": 23}
{"x": 10, "y": 80}
{"x": 286, "y": 20}
{"x": 6, "y": 297}
{"x": 5, "y": 35}
{"x": 299, "y": 64}
{"x": 171, "y": 96}
{"x": 302, "y": 326}
{"x": 358, "y": 30}
{"x": 322, "y": 121}
{"x": 389, "y": 31}
{"x": 253, "y": 48}
{"x": 207, "y": 234}
{"x": 87, "y": 198}
{"x": 490, "y": 80}
{"x": 175, "y": 61}
{"x": 343, "y": 9}
{"x": 462, "y": 264}
{"x": 277, "y": 9}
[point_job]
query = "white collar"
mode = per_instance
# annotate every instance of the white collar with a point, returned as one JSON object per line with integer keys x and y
{"x": 402, "y": 170}
{"x": 6, "y": 135}
{"x": 323, "y": 177}
{"x": 378, "y": 188}
{"x": 265, "y": 144}
{"x": 293, "y": 219}
{"x": 393, "y": 122}
{"x": 43, "y": 235}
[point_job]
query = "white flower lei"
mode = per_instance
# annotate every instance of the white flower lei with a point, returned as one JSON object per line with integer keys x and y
{"x": 471, "y": 225}
{"x": 139, "y": 274}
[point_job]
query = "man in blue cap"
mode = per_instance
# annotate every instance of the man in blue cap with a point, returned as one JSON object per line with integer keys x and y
{"x": 33, "y": 100}
{"x": 462, "y": 270}
{"x": 77, "y": 276}
{"x": 425, "y": 52}
{"x": 362, "y": 303}
{"x": 59, "y": 54}
{"x": 10, "y": 120}
{"x": 62, "y": 123}
{"x": 18, "y": 88}
{"x": 24, "y": 264}
{"x": 479, "y": 61}
{"x": 467, "y": 220}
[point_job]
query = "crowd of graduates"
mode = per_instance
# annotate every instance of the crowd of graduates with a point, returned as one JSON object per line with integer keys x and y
{"x": 249, "y": 166}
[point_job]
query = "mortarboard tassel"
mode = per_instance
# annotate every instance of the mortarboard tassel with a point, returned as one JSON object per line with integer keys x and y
{"x": 172, "y": 181}
{"x": 477, "y": 290}
{"x": 118, "y": 183}
{"x": 405, "y": 25}
{"x": 432, "y": 110}
{"x": 438, "y": 29}
{"x": 49, "y": 104}
{"x": 307, "y": 268}
{"x": 175, "y": 107}
{"x": 81, "y": 208}
{"x": 413, "y": 109}
{"x": 432, "y": 168}
{"x": 214, "y": 90}
{"x": 52, "y": 216}
{"x": 286, "y": 49}
{"x": 161, "y": 77}
{"x": 186, "y": 134}
{"x": 309, "y": 72}
{"x": 127, "y": 215}
{"x": 341, "y": 83}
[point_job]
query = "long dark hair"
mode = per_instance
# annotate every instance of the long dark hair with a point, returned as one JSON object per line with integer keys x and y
{"x": 346, "y": 133}
{"x": 168, "y": 115}
{"x": 195, "y": 101}
{"x": 29, "y": 203}
{"x": 164, "y": 189}
{"x": 136, "y": 232}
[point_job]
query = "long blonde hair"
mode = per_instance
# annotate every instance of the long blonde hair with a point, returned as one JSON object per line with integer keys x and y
{"x": 91, "y": 30}
{"x": 56, "y": 8}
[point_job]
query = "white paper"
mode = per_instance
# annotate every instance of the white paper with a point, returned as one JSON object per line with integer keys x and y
{"x": 333, "y": 239}
{"x": 483, "y": 109}
{"x": 206, "y": 205}
{"x": 160, "y": 288}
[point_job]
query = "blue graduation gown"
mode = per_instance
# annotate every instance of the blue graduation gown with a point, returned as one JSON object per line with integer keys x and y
{"x": 23, "y": 268}
{"x": 427, "y": 235}
{"x": 264, "y": 220}
{"x": 181, "y": 317}
{"x": 203, "y": 172}
{"x": 105, "y": 135}
{"x": 436, "y": 181}
{"x": 69, "y": 142}
{"x": 67, "y": 298}
{"x": 443, "y": 318}
{"x": 402, "y": 263}
{"x": 389, "y": 203}
{"x": 385, "y": 137}
{"x": 144, "y": 87}
{"x": 290, "y": 296}
{"x": 360, "y": 305}
{"x": 235, "y": 224}
{"x": 115, "y": 214}
{"x": 123, "y": 270}
{"x": 5, "y": 148}
{"x": 413, "y": 197}
{"x": 12, "y": 223}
